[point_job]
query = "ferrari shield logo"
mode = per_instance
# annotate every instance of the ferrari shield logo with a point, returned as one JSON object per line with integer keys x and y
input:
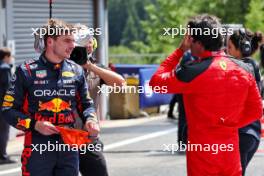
{"x": 223, "y": 65}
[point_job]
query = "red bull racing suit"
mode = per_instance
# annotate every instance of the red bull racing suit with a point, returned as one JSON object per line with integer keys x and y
{"x": 220, "y": 95}
{"x": 43, "y": 91}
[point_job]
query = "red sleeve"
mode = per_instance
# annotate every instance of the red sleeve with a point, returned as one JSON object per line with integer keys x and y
{"x": 253, "y": 106}
{"x": 165, "y": 75}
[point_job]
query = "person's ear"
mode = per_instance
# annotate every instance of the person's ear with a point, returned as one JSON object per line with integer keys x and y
{"x": 49, "y": 41}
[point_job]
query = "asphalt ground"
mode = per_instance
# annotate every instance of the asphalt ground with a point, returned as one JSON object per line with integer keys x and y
{"x": 137, "y": 148}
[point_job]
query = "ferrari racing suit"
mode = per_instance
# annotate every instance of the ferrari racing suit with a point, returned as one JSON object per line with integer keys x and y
{"x": 220, "y": 95}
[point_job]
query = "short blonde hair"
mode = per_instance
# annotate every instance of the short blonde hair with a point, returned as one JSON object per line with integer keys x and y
{"x": 59, "y": 26}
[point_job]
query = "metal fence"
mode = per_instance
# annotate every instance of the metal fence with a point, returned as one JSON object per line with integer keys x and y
{"x": 151, "y": 58}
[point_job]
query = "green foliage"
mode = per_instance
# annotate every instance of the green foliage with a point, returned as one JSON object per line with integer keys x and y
{"x": 124, "y": 55}
{"x": 120, "y": 49}
{"x": 139, "y": 24}
{"x": 117, "y": 20}
{"x": 255, "y": 17}
{"x": 230, "y": 11}
{"x": 124, "y": 21}
{"x": 115, "y": 51}
{"x": 163, "y": 14}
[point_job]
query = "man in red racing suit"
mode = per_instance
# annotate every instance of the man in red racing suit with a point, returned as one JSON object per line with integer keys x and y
{"x": 220, "y": 95}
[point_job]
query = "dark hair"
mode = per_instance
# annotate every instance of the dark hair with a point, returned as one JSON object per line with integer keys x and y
{"x": 4, "y": 52}
{"x": 254, "y": 38}
{"x": 207, "y": 22}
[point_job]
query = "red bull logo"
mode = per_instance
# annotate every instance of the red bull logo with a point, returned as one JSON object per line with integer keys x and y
{"x": 9, "y": 98}
{"x": 56, "y": 118}
{"x": 55, "y": 105}
{"x": 23, "y": 123}
{"x": 7, "y": 104}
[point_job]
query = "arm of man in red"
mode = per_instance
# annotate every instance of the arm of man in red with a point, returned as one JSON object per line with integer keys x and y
{"x": 165, "y": 75}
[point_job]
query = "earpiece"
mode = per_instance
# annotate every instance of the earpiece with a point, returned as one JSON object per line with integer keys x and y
{"x": 244, "y": 43}
{"x": 39, "y": 43}
{"x": 94, "y": 43}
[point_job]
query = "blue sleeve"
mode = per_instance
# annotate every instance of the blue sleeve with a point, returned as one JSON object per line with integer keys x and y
{"x": 12, "y": 107}
{"x": 84, "y": 102}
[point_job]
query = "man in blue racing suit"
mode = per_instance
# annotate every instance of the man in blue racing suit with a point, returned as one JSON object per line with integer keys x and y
{"x": 46, "y": 92}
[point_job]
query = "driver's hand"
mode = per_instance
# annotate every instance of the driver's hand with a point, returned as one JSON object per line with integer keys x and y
{"x": 46, "y": 128}
{"x": 186, "y": 43}
{"x": 92, "y": 127}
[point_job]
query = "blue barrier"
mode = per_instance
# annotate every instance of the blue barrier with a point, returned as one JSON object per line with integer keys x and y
{"x": 147, "y": 98}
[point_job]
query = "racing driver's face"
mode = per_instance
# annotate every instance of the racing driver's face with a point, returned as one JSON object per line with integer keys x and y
{"x": 63, "y": 46}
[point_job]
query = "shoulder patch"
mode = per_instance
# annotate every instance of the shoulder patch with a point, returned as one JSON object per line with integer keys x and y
{"x": 70, "y": 61}
{"x": 30, "y": 61}
{"x": 187, "y": 72}
{"x": 223, "y": 64}
{"x": 68, "y": 74}
{"x": 30, "y": 64}
{"x": 77, "y": 69}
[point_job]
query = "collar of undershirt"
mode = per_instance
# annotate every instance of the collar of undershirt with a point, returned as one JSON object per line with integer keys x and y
{"x": 207, "y": 54}
{"x": 49, "y": 64}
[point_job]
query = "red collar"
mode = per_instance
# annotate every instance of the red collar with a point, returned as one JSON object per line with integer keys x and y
{"x": 207, "y": 54}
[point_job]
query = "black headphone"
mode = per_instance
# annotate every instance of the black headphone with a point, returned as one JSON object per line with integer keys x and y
{"x": 39, "y": 44}
{"x": 244, "y": 43}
